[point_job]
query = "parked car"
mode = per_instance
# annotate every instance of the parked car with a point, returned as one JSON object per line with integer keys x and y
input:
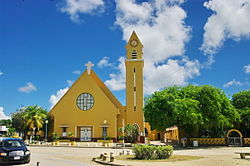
{"x": 13, "y": 151}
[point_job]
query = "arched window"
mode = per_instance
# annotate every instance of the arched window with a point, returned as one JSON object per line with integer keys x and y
{"x": 134, "y": 55}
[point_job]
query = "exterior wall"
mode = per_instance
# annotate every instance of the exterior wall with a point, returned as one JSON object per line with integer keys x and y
{"x": 121, "y": 121}
{"x": 67, "y": 113}
{"x": 150, "y": 134}
{"x": 172, "y": 134}
{"x": 154, "y": 135}
{"x": 134, "y": 116}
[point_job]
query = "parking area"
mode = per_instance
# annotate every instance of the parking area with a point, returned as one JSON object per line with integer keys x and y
{"x": 72, "y": 156}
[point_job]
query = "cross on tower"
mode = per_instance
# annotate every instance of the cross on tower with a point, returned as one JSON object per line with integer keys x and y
{"x": 89, "y": 65}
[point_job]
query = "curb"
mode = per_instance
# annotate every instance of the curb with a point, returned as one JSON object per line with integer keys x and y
{"x": 106, "y": 163}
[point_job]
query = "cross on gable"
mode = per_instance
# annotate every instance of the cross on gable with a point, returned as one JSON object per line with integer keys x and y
{"x": 89, "y": 65}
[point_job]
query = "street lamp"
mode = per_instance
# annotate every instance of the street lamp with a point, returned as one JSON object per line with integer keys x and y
{"x": 46, "y": 128}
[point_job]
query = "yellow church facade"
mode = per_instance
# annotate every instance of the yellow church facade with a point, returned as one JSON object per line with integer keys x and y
{"x": 90, "y": 111}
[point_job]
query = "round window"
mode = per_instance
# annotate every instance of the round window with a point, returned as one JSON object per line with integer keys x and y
{"x": 85, "y": 101}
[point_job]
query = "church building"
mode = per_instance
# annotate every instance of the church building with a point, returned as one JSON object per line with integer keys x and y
{"x": 90, "y": 111}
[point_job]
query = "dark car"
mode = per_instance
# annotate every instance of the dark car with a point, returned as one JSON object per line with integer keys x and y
{"x": 13, "y": 151}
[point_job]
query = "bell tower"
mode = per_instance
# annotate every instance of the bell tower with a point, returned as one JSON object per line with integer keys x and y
{"x": 134, "y": 83}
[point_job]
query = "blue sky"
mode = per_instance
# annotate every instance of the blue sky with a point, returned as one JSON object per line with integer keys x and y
{"x": 45, "y": 44}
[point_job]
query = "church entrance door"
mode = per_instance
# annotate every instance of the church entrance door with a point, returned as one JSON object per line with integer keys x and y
{"x": 85, "y": 133}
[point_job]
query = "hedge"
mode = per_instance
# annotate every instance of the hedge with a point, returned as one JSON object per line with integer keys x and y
{"x": 151, "y": 152}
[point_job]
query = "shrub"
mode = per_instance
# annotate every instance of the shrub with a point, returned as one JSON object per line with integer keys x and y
{"x": 55, "y": 137}
{"x": 120, "y": 137}
{"x": 164, "y": 152}
{"x": 150, "y": 152}
{"x": 107, "y": 138}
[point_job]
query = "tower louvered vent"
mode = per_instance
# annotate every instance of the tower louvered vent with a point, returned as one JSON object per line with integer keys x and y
{"x": 134, "y": 55}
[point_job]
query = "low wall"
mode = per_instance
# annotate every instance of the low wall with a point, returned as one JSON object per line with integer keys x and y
{"x": 210, "y": 141}
{"x": 247, "y": 141}
{"x": 217, "y": 141}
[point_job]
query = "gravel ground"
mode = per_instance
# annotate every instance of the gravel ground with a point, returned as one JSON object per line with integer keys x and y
{"x": 70, "y": 156}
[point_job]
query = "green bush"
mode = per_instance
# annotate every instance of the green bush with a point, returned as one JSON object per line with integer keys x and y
{"x": 164, "y": 152}
{"x": 150, "y": 152}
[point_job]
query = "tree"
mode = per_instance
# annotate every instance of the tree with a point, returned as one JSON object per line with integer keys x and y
{"x": 218, "y": 112}
{"x": 241, "y": 101}
{"x": 191, "y": 108}
{"x": 5, "y": 122}
{"x": 8, "y": 124}
{"x": 30, "y": 118}
{"x": 18, "y": 122}
{"x": 187, "y": 114}
{"x": 131, "y": 132}
{"x": 34, "y": 117}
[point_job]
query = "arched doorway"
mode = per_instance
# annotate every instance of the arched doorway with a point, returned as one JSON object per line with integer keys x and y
{"x": 136, "y": 132}
{"x": 234, "y": 137}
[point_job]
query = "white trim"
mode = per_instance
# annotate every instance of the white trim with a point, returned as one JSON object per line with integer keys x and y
{"x": 64, "y": 125}
{"x": 104, "y": 125}
{"x": 135, "y": 60}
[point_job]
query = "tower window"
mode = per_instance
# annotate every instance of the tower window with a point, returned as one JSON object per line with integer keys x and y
{"x": 134, "y": 108}
{"x": 134, "y": 88}
{"x": 134, "y": 70}
{"x": 134, "y": 55}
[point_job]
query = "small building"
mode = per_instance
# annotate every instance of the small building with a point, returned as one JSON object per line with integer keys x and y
{"x": 3, "y": 130}
{"x": 169, "y": 135}
{"x": 90, "y": 111}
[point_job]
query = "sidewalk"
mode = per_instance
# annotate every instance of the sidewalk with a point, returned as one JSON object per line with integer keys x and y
{"x": 84, "y": 145}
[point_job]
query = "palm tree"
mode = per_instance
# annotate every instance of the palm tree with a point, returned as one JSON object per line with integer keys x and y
{"x": 34, "y": 118}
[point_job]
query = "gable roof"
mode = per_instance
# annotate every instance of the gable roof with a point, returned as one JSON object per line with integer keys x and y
{"x": 102, "y": 86}
{"x": 106, "y": 91}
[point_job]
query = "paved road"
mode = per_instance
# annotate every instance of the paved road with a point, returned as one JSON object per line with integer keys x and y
{"x": 72, "y": 156}
{"x": 65, "y": 156}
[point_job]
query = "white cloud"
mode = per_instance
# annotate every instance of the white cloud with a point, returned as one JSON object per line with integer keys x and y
{"x": 104, "y": 62}
{"x": 1, "y": 73}
{"x": 29, "y": 87}
{"x": 117, "y": 81}
{"x": 2, "y": 114}
{"x": 247, "y": 69}
{"x": 230, "y": 20}
{"x": 173, "y": 72}
{"x": 231, "y": 83}
{"x": 76, "y": 7}
{"x": 70, "y": 82}
{"x": 161, "y": 28}
{"x": 56, "y": 97}
{"x": 77, "y": 72}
